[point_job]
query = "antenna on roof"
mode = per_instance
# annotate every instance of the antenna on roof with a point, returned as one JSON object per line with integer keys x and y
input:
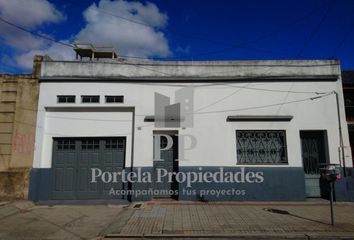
{"x": 88, "y": 50}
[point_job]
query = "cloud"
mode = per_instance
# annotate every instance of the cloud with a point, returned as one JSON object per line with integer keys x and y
{"x": 101, "y": 28}
{"x": 128, "y": 38}
{"x": 30, "y": 13}
{"x": 55, "y": 51}
{"x": 20, "y": 40}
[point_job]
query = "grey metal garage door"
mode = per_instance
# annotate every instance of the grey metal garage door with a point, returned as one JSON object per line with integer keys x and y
{"x": 73, "y": 159}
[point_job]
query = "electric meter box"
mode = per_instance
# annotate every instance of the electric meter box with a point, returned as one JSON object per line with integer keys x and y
{"x": 330, "y": 172}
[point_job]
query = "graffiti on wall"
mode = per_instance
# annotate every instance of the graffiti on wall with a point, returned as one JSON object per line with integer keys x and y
{"x": 22, "y": 143}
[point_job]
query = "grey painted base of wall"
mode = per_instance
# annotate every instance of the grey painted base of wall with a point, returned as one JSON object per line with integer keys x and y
{"x": 40, "y": 184}
{"x": 344, "y": 187}
{"x": 280, "y": 184}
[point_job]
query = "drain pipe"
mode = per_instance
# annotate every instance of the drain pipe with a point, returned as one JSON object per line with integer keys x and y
{"x": 130, "y": 185}
{"x": 341, "y": 145}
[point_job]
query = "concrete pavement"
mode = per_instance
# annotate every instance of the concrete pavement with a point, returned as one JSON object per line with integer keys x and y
{"x": 177, "y": 220}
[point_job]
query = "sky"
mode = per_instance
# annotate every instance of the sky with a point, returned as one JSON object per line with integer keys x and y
{"x": 185, "y": 30}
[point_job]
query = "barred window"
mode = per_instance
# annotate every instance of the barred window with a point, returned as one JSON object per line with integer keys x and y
{"x": 261, "y": 147}
{"x": 90, "y": 99}
{"x": 66, "y": 99}
{"x": 114, "y": 99}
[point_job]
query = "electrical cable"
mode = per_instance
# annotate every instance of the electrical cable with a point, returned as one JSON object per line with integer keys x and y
{"x": 341, "y": 43}
{"x": 266, "y": 106}
{"x": 311, "y": 36}
{"x": 176, "y": 57}
{"x": 313, "y": 33}
{"x": 232, "y": 45}
{"x": 218, "y": 111}
{"x": 35, "y": 34}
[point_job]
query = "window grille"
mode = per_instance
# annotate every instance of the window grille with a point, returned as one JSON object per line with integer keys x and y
{"x": 90, "y": 99}
{"x": 261, "y": 147}
{"x": 66, "y": 99}
{"x": 114, "y": 99}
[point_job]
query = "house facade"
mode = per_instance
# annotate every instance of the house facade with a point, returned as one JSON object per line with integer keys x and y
{"x": 218, "y": 130}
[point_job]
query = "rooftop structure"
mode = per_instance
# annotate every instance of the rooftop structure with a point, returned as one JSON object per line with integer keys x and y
{"x": 94, "y": 52}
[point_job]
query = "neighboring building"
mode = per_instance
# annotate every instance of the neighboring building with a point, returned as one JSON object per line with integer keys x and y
{"x": 268, "y": 123}
{"x": 348, "y": 91}
{"x": 18, "y": 111}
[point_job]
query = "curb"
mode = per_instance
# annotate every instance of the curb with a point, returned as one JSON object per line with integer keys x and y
{"x": 234, "y": 236}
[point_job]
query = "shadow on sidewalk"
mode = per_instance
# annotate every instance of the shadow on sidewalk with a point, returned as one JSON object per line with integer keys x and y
{"x": 283, "y": 212}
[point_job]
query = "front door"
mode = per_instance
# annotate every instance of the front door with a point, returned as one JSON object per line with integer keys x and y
{"x": 168, "y": 162}
{"x": 314, "y": 153}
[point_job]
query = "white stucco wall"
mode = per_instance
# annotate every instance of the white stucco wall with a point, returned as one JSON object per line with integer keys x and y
{"x": 79, "y": 124}
{"x": 216, "y": 140}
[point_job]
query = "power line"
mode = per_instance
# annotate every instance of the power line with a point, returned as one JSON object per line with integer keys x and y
{"x": 56, "y": 41}
{"x": 34, "y": 33}
{"x": 153, "y": 70}
{"x": 46, "y": 37}
{"x": 276, "y": 90}
{"x": 341, "y": 43}
{"x": 233, "y": 45}
{"x": 208, "y": 85}
{"x": 306, "y": 43}
{"x": 233, "y": 71}
{"x": 221, "y": 99}
{"x": 243, "y": 45}
{"x": 266, "y": 106}
{"x": 142, "y": 23}
{"x": 313, "y": 33}
{"x": 137, "y": 65}
{"x": 145, "y": 24}
{"x": 218, "y": 111}
{"x": 186, "y": 56}
{"x": 235, "y": 65}
{"x": 176, "y": 57}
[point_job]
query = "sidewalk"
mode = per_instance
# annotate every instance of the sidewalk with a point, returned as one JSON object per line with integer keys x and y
{"x": 177, "y": 220}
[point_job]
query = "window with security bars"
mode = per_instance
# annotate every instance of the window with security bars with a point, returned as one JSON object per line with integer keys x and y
{"x": 90, "y": 144}
{"x": 66, "y": 99}
{"x": 261, "y": 147}
{"x": 114, "y": 144}
{"x": 66, "y": 144}
{"x": 90, "y": 99}
{"x": 114, "y": 99}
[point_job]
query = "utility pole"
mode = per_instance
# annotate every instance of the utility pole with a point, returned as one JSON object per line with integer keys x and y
{"x": 331, "y": 202}
{"x": 341, "y": 147}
